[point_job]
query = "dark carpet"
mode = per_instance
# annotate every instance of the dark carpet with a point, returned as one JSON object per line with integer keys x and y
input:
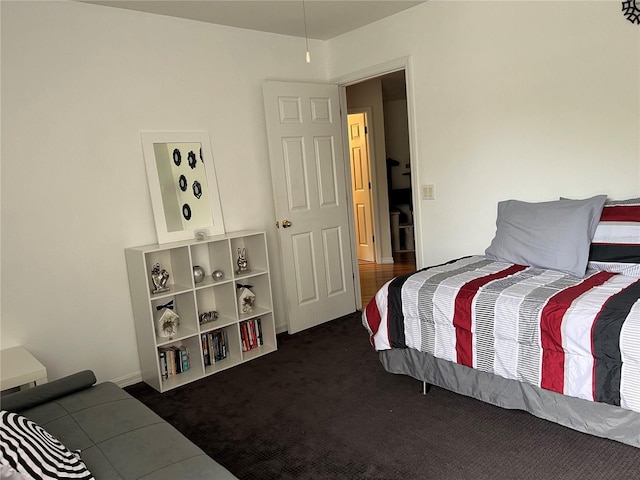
{"x": 322, "y": 407}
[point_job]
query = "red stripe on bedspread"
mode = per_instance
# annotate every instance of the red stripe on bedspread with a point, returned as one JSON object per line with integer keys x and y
{"x": 462, "y": 312}
{"x": 373, "y": 319}
{"x": 551, "y": 330}
{"x": 620, "y": 213}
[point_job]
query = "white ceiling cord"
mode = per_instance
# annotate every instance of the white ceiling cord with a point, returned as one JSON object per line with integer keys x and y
{"x": 306, "y": 37}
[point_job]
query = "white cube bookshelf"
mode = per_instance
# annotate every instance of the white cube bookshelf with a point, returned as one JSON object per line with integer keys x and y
{"x": 191, "y": 299}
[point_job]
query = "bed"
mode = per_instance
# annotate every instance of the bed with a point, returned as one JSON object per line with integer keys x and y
{"x": 546, "y": 321}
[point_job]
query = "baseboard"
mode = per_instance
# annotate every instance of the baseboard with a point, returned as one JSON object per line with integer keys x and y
{"x": 127, "y": 380}
{"x": 386, "y": 260}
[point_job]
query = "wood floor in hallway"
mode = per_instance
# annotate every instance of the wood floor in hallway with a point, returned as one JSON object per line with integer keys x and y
{"x": 374, "y": 275}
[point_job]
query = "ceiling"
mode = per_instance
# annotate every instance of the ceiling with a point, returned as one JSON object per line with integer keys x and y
{"x": 325, "y": 19}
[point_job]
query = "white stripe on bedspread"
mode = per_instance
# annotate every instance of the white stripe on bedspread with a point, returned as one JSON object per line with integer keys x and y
{"x": 420, "y": 317}
{"x": 630, "y": 346}
{"x": 506, "y": 322}
{"x": 381, "y": 337}
{"x": 617, "y": 232}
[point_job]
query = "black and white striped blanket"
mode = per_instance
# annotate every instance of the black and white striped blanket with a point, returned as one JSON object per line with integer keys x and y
{"x": 576, "y": 336}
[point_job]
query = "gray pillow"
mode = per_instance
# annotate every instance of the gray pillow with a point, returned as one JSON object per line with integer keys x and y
{"x": 554, "y": 235}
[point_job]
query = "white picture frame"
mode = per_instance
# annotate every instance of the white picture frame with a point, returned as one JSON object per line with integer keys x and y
{"x": 184, "y": 191}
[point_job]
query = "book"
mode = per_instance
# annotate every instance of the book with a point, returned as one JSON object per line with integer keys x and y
{"x": 260, "y": 339}
{"x": 205, "y": 350}
{"x": 162, "y": 358}
{"x": 177, "y": 359}
{"x": 254, "y": 334}
{"x": 244, "y": 333}
{"x": 184, "y": 357}
{"x": 224, "y": 344}
{"x": 171, "y": 362}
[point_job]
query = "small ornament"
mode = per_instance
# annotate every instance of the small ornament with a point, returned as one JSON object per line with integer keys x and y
{"x": 167, "y": 325}
{"x": 207, "y": 317}
{"x": 246, "y": 298}
{"x": 243, "y": 265}
{"x": 159, "y": 277}
{"x": 217, "y": 275}
{"x": 198, "y": 274}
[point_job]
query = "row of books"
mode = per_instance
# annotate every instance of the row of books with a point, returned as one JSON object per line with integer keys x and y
{"x": 251, "y": 334}
{"x": 173, "y": 360}
{"x": 214, "y": 346}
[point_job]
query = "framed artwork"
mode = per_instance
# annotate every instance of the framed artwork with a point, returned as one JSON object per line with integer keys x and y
{"x": 182, "y": 184}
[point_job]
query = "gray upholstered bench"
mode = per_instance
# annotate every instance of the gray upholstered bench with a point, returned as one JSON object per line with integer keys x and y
{"x": 118, "y": 436}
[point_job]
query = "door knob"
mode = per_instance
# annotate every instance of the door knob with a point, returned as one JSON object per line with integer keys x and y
{"x": 286, "y": 223}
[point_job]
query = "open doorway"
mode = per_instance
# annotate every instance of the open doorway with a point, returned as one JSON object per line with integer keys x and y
{"x": 383, "y": 101}
{"x": 361, "y": 184}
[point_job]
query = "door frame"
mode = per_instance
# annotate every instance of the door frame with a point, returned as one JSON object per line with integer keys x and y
{"x": 357, "y": 76}
{"x": 373, "y": 192}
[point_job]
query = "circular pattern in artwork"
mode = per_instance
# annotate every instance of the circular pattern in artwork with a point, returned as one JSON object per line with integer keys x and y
{"x": 182, "y": 181}
{"x": 631, "y": 10}
{"x": 186, "y": 211}
{"x": 177, "y": 157}
{"x": 197, "y": 189}
{"x": 192, "y": 159}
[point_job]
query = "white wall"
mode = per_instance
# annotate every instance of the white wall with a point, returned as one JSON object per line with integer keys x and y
{"x": 527, "y": 100}
{"x": 79, "y": 82}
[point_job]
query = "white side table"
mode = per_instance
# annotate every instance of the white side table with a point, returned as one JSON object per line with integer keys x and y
{"x": 18, "y": 368}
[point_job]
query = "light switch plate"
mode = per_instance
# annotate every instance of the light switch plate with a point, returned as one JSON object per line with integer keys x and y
{"x": 428, "y": 192}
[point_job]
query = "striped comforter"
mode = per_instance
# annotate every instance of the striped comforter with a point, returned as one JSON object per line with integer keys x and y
{"x": 575, "y": 336}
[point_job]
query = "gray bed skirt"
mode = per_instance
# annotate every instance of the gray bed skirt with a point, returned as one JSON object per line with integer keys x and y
{"x": 594, "y": 418}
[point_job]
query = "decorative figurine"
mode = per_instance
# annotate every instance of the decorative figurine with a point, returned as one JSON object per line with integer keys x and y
{"x": 207, "y": 317}
{"x": 217, "y": 275}
{"x": 243, "y": 265}
{"x": 168, "y": 324}
{"x": 159, "y": 277}
{"x": 246, "y": 298}
{"x": 198, "y": 273}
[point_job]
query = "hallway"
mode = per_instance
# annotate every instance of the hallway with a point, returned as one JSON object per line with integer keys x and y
{"x": 373, "y": 275}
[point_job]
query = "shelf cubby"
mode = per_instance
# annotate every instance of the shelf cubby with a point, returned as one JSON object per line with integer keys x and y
{"x": 256, "y": 254}
{"x": 176, "y": 263}
{"x": 268, "y": 338}
{"x": 212, "y": 256}
{"x": 234, "y": 353}
{"x": 262, "y": 289}
{"x": 218, "y": 298}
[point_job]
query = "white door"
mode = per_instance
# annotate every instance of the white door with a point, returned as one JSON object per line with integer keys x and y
{"x": 361, "y": 186}
{"x": 310, "y": 191}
